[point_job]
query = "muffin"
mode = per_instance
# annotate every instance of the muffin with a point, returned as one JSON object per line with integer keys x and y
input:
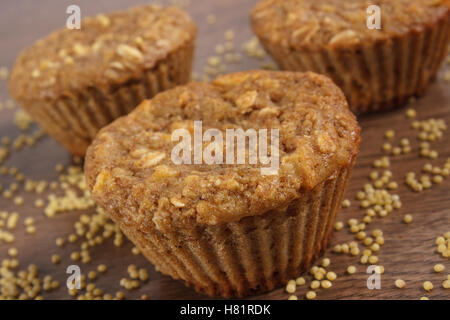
{"x": 229, "y": 229}
{"x": 74, "y": 82}
{"x": 376, "y": 69}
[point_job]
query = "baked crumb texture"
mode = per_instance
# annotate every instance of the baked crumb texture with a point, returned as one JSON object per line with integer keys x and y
{"x": 227, "y": 230}
{"x": 376, "y": 69}
{"x": 74, "y": 82}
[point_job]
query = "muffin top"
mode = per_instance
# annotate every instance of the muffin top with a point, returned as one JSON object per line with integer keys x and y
{"x": 328, "y": 23}
{"x": 108, "y": 50}
{"x": 129, "y": 166}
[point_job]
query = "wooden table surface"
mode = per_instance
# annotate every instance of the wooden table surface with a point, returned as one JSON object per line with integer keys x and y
{"x": 409, "y": 252}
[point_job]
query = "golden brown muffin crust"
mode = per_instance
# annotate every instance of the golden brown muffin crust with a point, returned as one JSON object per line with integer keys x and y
{"x": 328, "y": 23}
{"x": 107, "y": 51}
{"x": 131, "y": 174}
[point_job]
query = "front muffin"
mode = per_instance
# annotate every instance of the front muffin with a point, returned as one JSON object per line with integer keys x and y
{"x": 376, "y": 68}
{"x": 74, "y": 82}
{"x": 229, "y": 228}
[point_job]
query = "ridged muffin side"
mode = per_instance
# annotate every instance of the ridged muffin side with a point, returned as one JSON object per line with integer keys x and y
{"x": 253, "y": 255}
{"x": 74, "y": 82}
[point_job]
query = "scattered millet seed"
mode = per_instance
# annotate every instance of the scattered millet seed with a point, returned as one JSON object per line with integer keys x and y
{"x": 12, "y": 252}
{"x": 354, "y": 251}
{"x": 338, "y": 225}
{"x": 361, "y": 235}
{"x": 97, "y": 292}
{"x": 229, "y": 46}
{"x": 390, "y": 134}
{"x": 55, "y": 284}
{"x": 346, "y": 203}
{"x": 318, "y": 276}
{"x": 411, "y": 113}
{"x": 407, "y": 218}
{"x": 292, "y": 297}
{"x": 325, "y": 262}
{"x": 60, "y": 242}
{"x": 396, "y": 151}
{"x": 326, "y": 284}
{"x": 368, "y": 241}
{"x": 102, "y": 268}
{"x": 72, "y": 238}
{"x": 367, "y": 219}
{"x": 310, "y": 295}
{"x": 314, "y": 269}
{"x": 315, "y": 284}
{"x": 424, "y": 298}
{"x": 371, "y": 213}
{"x": 374, "y": 175}
{"x": 438, "y": 179}
{"x": 387, "y": 147}
{"x": 75, "y": 256}
{"x": 18, "y": 201}
{"x": 4, "y": 73}
{"x": 39, "y": 203}
{"x": 300, "y": 281}
{"x": 345, "y": 248}
{"x": 31, "y": 229}
{"x": 211, "y": 19}
{"x": 379, "y": 269}
{"x": 351, "y": 269}
{"x": 291, "y": 286}
{"x": 331, "y": 276}
{"x": 56, "y": 259}
{"x": 229, "y": 35}
{"x": 28, "y": 221}
{"x": 92, "y": 275}
{"x": 428, "y": 286}
{"x": 439, "y": 267}
{"x": 120, "y": 295}
{"x": 143, "y": 275}
{"x": 399, "y": 283}
{"x": 446, "y": 284}
{"x": 393, "y": 185}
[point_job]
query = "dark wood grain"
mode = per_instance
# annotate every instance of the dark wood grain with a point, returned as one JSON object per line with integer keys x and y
{"x": 409, "y": 252}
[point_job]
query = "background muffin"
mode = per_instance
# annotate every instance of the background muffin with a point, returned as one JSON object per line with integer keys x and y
{"x": 376, "y": 69}
{"x": 228, "y": 230}
{"x": 74, "y": 82}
